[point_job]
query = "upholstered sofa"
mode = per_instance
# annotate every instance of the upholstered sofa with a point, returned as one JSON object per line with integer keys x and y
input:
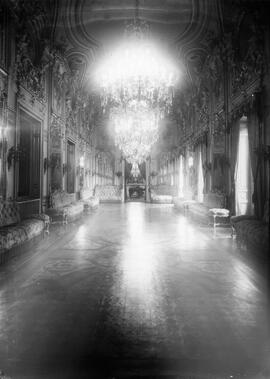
{"x": 201, "y": 213}
{"x": 163, "y": 193}
{"x": 108, "y": 193}
{"x": 252, "y": 232}
{"x": 89, "y": 201}
{"x": 15, "y": 232}
{"x": 64, "y": 207}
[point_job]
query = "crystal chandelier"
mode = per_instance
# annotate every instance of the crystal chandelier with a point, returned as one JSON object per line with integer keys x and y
{"x": 137, "y": 70}
{"x": 136, "y": 84}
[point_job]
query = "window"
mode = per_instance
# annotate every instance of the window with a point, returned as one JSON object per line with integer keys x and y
{"x": 243, "y": 176}
{"x": 200, "y": 179}
{"x": 181, "y": 177}
{"x": 29, "y": 157}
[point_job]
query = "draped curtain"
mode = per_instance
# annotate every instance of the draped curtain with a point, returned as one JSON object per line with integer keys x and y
{"x": 201, "y": 182}
{"x": 234, "y": 152}
{"x": 204, "y": 164}
{"x": 196, "y": 170}
{"x": 255, "y": 160}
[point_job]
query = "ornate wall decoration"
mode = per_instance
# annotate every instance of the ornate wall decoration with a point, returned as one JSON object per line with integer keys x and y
{"x": 4, "y": 21}
{"x": 219, "y": 124}
{"x": 248, "y": 103}
{"x": 60, "y": 86}
{"x": 201, "y": 101}
{"x": 3, "y": 90}
{"x": 56, "y": 132}
{"x": 32, "y": 45}
{"x": 248, "y": 54}
{"x": 27, "y": 74}
{"x": 73, "y": 107}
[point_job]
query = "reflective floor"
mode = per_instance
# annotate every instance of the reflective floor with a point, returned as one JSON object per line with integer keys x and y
{"x": 134, "y": 290}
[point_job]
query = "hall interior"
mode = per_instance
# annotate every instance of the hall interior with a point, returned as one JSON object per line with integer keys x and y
{"x": 134, "y": 188}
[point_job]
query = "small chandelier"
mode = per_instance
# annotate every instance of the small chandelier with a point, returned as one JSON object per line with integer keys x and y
{"x": 135, "y": 171}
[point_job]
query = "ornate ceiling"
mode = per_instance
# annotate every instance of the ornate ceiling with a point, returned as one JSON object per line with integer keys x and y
{"x": 90, "y": 27}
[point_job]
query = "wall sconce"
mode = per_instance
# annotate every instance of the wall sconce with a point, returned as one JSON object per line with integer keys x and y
{"x": 190, "y": 162}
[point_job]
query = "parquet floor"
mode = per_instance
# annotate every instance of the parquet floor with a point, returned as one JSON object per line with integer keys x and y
{"x": 134, "y": 290}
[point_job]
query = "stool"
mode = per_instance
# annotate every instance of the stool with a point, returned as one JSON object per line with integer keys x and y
{"x": 219, "y": 213}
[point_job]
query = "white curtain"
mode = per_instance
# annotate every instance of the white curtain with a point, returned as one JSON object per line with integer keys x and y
{"x": 200, "y": 178}
{"x": 181, "y": 177}
{"x": 243, "y": 174}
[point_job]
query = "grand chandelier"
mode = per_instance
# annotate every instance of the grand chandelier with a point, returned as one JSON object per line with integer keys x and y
{"x": 136, "y": 84}
{"x": 137, "y": 70}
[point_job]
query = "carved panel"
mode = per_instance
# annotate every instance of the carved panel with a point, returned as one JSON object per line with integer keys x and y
{"x": 56, "y": 133}
{"x": 27, "y": 74}
{"x": 59, "y": 87}
{"x": 248, "y": 55}
{"x": 3, "y": 37}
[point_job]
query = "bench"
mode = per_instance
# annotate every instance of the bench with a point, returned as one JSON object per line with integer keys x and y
{"x": 108, "y": 193}
{"x": 64, "y": 207}
{"x": 163, "y": 193}
{"x": 89, "y": 201}
{"x": 251, "y": 231}
{"x": 16, "y": 232}
{"x": 211, "y": 210}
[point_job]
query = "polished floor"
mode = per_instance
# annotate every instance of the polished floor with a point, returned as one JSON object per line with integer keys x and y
{"x": 134, "y": 290}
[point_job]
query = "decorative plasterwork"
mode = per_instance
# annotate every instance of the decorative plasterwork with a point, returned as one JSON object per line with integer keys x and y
{"x": 27, "y": 74}
{"x": 3, "y": 88}
{"x": 60, "y": 83}
{"x": 57, "y": 132}
{"x": 248, "y": 104}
